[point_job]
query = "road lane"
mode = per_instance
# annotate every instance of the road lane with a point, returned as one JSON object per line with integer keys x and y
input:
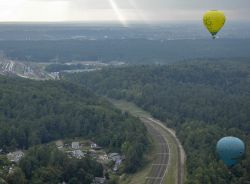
{"x": 180, "y": 178}
{"x": 168, "y": 149}
{"x": 160, "y": 163}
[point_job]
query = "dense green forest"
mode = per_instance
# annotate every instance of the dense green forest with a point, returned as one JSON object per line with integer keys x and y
{"x": 37, "y": 112}
{"x": 127, "y": 50}
{"x": 202, "y": 100}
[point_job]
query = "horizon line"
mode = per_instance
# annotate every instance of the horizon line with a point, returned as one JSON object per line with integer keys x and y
{"x": 105, "y": 21}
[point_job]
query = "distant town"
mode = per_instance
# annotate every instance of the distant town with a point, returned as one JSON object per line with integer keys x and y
{"x": 41, "y": 71}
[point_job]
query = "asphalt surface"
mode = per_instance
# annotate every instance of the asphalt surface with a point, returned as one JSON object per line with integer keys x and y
{"x": 180, "y": 178}
{"x": 162, "y": 155}
{"x": 161, "y": 160}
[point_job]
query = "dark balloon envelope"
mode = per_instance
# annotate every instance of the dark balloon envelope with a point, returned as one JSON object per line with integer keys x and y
{"x": 230, "y": 150}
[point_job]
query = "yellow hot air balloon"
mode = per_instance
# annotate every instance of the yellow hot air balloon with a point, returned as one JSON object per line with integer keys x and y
{"x": 214, "y": 20}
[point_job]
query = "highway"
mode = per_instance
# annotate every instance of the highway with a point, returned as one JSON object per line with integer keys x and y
{"x": 167, "y": 165}
{"x": 161, "y": 160}
{"x": 161, "y": 163}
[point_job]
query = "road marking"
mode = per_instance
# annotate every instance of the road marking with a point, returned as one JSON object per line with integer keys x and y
{"x": 161, "y": 143}
{"x": 159, "y": 135}
{"x": 159, "y": 164}
{"x": 162, "y": 153}
{"x": 157, "y": 122}
{"x": 153, "y": 178}
{"x": 151, "y": 122}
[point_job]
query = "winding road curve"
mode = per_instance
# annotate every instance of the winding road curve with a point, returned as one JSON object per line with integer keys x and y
{"x": 162, "y": 160}
{"x": 168, "y": 164}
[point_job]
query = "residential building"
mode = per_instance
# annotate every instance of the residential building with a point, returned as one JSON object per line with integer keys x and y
{"x": 15, "y": 156}
{"x": 95, "y": 146}
{"x": 75, "y": 145}
{"x": 99, "y": 180}
{"x": 78, "y": 154}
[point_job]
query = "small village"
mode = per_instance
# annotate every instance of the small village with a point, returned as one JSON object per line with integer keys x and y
{"x": 79, "y": 149}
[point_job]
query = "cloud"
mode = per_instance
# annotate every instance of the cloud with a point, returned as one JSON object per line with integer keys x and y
{"x": 87, "y": 10}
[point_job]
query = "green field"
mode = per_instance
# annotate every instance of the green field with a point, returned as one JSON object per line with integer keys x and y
{"x": 130, "y": 107}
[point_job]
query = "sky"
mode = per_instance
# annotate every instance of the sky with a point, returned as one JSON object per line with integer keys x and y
{"x": 123, "y": 11}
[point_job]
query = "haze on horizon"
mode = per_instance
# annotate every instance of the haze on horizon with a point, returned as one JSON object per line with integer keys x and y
{"x": 118, "y": 10}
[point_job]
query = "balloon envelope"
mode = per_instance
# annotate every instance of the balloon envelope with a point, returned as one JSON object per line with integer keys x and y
{"x": 230, "y": 150}
{"x": 214, "y": 20}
